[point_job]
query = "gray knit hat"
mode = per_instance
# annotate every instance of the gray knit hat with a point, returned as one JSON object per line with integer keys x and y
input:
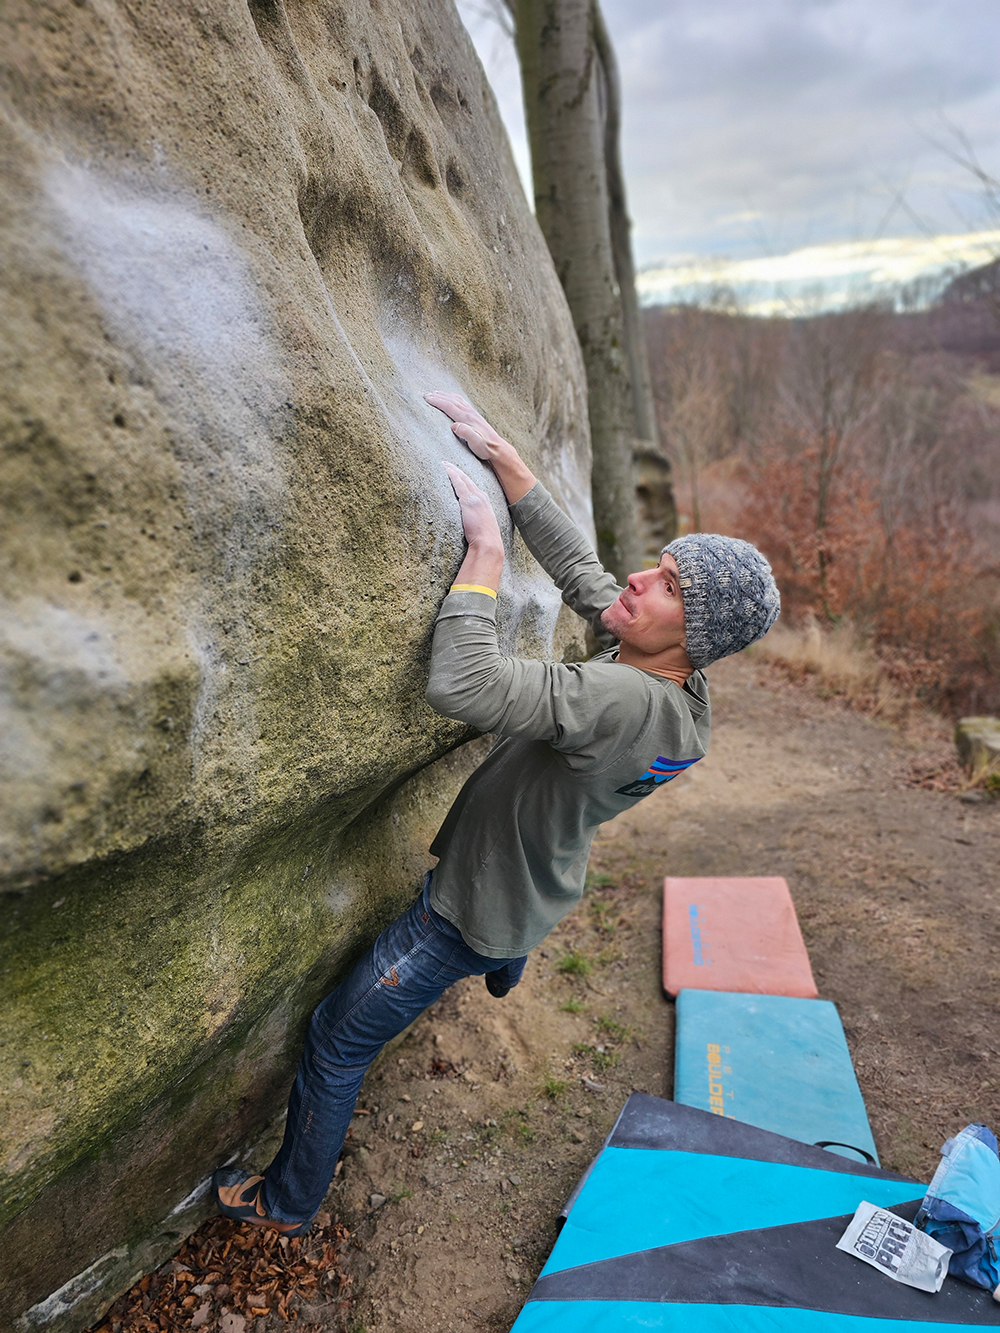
{"x": 730, "y": 596}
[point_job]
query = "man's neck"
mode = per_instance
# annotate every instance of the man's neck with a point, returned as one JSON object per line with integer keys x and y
{"x": 671, "y": 664}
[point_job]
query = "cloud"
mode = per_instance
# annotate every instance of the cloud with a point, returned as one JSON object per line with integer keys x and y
{"x": 819, "y": 277}
{"x": 752, "y": 128}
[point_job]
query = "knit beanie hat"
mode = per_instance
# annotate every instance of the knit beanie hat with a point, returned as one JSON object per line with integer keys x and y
{"x": 730, "y": 596}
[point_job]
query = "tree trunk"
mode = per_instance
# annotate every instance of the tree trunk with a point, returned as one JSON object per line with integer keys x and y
{"x": 561, "y": 73}
{"x": 643, "y": 409}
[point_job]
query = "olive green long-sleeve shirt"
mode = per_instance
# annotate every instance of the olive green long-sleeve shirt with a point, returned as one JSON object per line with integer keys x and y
{"x": 578, "y": 743}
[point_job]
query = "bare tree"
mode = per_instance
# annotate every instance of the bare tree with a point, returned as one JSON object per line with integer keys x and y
{"x": 704, "y": 378}
{"x": 830, "y": 388}
{"x": 695, "y": 416}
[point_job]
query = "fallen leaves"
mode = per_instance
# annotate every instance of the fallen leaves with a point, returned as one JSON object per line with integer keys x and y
{"x": 228, "y": 1273}
{"x": 443, "y": 1069}
{"x": 947, "y": 776}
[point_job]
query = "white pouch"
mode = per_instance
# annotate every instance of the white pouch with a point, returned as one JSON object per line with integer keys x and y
{"x": 896, "y": 1248}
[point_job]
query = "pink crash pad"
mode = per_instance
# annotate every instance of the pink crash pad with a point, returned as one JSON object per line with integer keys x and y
{"x": 733, "y": 935}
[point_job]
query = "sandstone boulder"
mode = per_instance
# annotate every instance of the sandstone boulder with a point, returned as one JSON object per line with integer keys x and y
{"x": 239, "y": 241}
{"x": 978, "y": 742}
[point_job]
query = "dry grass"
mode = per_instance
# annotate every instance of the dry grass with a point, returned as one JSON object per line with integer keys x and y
{"x": 837, "y": 662}
{"x": 985, "y": 774}
{"x": 840, "y": 662}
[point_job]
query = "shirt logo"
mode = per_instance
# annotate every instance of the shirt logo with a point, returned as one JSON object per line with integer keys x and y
{"x": 660, "y": 770}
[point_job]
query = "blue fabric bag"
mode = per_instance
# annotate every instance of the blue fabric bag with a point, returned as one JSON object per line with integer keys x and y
{"x": 962, "y": 1207}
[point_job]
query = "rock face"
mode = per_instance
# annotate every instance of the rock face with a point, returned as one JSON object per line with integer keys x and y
{"x": 239, "y": 241}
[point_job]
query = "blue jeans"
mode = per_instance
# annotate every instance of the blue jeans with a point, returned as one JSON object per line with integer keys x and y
{"x": 410, "y": 965}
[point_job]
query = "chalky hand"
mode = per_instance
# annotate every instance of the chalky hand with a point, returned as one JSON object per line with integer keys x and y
{"x": 470, "y": 426}
{"x": 478, "y": 519}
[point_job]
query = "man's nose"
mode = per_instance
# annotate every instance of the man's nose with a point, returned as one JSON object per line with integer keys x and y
{"x": 638, "y": 581}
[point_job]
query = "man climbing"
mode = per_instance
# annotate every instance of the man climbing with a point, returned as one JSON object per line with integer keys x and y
{"x": 578, "y": 743}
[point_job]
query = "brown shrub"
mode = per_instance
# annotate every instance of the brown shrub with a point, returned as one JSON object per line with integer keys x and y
{"x": 911, "y": 587}
{"x": 862, "y": 454}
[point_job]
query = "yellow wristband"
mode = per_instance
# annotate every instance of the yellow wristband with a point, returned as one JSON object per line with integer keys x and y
{"x": 472, "y": 587}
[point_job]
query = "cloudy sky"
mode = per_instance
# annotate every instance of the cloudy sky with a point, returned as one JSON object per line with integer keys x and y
{"x": 755, "y": 128}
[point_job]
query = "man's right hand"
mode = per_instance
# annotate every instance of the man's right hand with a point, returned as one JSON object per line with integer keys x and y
{"x": 479, "y": 522}
{"x": 483, "y": 563}
{"x": 472, "y": 428}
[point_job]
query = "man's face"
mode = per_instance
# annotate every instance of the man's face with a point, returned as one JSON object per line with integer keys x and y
{"x": 649, "y": 614}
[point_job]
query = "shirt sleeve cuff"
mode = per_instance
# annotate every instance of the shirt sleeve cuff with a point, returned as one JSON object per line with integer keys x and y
{"x": 466, "y": 601}
{"x": 473, "y": 587}
{"x": 528, "y": 506}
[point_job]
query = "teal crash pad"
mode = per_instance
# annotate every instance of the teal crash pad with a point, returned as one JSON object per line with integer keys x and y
{"x": 779, "y": 1063}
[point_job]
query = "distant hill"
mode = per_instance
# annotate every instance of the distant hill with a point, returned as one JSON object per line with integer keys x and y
{"x": 978, "y": 285}
{"x": 964, "y": 321}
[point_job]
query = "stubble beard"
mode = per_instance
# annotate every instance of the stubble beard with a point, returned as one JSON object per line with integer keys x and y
{"x": 613, "y": 620}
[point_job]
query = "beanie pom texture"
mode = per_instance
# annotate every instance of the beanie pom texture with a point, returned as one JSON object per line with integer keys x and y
{"x": 730, "y": 596}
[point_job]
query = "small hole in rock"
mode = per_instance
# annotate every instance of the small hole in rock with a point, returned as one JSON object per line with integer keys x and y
{"x": 454, "y": 179}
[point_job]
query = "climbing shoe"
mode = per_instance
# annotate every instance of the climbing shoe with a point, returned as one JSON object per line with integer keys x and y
{"x": 237, "y": 1195}
{"x": 496, "y": 984}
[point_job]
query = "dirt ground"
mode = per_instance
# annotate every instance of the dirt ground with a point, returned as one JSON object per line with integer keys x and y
{"x": 473, "y": 1132}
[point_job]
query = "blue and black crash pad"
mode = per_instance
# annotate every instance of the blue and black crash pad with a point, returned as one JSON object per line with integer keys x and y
{"x": 777, "y": 1063}
{"x": 689, "y": 1222}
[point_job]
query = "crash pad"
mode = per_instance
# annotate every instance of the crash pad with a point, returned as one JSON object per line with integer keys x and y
{"x": 734, "y": 935}
{"x": 772, "y": 1061}
{"x": 689, "y": 1222}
